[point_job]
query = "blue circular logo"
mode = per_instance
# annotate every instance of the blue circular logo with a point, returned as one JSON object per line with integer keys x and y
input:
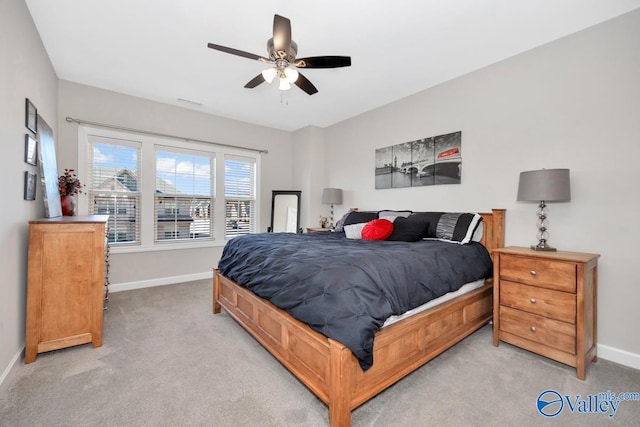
{"x": 549, "y": 403}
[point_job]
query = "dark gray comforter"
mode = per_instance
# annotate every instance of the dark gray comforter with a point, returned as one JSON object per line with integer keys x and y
{"x": 344, "y": 288}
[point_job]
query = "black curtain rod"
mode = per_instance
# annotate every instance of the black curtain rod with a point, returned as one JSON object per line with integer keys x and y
{"x": 165, "y": 135}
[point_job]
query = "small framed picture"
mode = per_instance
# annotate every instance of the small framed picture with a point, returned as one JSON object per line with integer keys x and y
{"x": 31, "y": 117}
{"x": 30, "y": 150}
{"x": 29, "y": 186}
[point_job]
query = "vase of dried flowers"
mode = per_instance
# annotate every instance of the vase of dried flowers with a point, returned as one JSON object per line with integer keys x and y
{"x": 69, "y": 186}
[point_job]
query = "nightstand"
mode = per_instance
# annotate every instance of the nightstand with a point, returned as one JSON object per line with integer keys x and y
{"x": 314, "y": 229}
{"x": 546, "y": 302}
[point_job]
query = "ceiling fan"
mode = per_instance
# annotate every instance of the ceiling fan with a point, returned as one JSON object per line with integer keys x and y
{"x": 282, "y": 56}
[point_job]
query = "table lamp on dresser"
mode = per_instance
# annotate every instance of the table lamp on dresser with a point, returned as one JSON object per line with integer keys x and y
{"x": 331, "y": 196}
{"x": 542, "y": 186}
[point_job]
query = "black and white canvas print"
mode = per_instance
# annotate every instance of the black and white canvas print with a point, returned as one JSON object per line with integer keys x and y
{"x": 428, "y": 161}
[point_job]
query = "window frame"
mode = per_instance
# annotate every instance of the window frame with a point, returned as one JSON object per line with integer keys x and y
{"x": 174, "y": 206}
{"x": 149, "y": 143}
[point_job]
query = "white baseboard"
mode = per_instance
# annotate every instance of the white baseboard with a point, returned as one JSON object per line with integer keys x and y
{"x": 10, "y": 366}
{"x": 616, "y": 355}
{"x": 118, "y": 287}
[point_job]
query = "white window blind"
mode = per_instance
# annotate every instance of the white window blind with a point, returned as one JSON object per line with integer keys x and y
{"x": 113, "y": 186}
{"x": 184, "y": 199}
{"x": 240, "y": 195}
{"x": 160, "y": 194}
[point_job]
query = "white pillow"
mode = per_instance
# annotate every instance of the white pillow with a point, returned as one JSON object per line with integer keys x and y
{"x": 392, "y": 215}
{"x": 354, "y": 231}
{"x": 477, "y": 235}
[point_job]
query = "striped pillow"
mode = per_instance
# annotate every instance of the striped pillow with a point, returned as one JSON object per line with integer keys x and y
{"x": 457, "y": 227}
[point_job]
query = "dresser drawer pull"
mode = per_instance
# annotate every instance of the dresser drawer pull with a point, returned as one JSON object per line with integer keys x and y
{"x": 533, "y": 328}
{"x": 533, "y": 272}
{"x": 533, "y": 300}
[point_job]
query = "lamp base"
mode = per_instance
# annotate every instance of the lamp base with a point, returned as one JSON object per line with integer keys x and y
{"x": 542, "y": 246}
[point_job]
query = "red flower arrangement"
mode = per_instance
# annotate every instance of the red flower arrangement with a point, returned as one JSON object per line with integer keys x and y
{"x": 69, "y": 184}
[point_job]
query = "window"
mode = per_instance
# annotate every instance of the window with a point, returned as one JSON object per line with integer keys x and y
{"x": 183, "y": 197}
{"x": 160, "y": 193}
{"x": 240, "y": 195}
{"x": 114, "y": 167}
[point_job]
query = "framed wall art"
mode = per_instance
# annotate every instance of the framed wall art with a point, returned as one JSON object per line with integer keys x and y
{"x": 29, "y": 186}
{"x": 30, "y": 150}
{"x": 31, "y": 116}
{"x": 427, "y": 161}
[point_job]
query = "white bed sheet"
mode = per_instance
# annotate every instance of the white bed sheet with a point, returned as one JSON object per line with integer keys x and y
{"x": 446, "y": 297}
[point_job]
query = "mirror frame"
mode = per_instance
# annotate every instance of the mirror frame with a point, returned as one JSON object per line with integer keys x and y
{"x": 298, "y": 195}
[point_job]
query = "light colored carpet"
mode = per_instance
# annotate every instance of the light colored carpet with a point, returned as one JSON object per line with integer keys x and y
{"x": 166, "y": 360}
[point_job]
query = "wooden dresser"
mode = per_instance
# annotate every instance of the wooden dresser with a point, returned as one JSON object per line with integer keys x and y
{"x": 65, "y": 283}
{"x": 546, "y": 302}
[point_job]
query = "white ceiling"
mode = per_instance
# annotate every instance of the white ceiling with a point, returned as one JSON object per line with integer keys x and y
{"x": 157, "y": 49}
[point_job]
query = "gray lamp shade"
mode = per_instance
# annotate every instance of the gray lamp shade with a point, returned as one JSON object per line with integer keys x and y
{"x": 332, "y": 196}
{"x": 548, "y": 185}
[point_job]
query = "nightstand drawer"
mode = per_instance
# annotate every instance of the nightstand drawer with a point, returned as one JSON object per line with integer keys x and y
{"x": 549, "y": 332}
{"x": 545, "y": 273}
{"x": 543, "y": 302}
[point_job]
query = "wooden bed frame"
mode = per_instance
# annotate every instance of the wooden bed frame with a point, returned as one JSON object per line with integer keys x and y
{"x": 329, "y": 368}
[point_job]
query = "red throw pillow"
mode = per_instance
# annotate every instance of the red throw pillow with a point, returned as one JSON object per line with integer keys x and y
{"x": 377, "y": 229}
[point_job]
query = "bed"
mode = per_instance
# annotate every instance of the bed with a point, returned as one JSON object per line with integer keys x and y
{"x": 329, "y": 368}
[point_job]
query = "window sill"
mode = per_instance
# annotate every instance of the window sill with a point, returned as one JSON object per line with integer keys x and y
{"x": 166, "y": 247}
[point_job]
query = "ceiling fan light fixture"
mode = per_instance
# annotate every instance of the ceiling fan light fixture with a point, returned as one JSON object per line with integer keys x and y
{"x": 269, "y": 74}
{"x": 291, "y": 74}
{"x": 284, "y": 84}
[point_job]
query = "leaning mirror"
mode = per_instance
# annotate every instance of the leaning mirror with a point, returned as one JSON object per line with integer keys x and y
{"x": 285, "y": 211}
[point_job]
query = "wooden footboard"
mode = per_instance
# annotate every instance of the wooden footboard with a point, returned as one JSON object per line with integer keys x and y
{"x": 330, "y": 369}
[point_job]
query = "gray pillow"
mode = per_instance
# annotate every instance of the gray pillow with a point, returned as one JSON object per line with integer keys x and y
{"x": 339, "y": 228}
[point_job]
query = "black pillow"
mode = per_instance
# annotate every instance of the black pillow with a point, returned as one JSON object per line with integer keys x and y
{"x": 410, "y": 229}
{"x": 357, "y": 217}
{"x": 432, "y": 218}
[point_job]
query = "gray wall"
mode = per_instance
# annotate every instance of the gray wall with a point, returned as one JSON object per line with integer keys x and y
{"x": 25, "y": 72}
{"x": 573, "y": 103}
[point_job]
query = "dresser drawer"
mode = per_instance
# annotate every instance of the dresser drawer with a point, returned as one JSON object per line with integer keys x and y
{"x": 552, "y": 333}
{"x": 545, "y": 273}
{"x": 543, "y": 302}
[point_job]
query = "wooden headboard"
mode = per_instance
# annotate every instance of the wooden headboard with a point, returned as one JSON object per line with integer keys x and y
{"x": 493, "y": 229}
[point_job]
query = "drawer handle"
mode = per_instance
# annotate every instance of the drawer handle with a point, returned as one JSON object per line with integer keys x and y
{"x": 533, "y": 328}
{"x": 533, "y": 300}
{"x": 533, "y": 272}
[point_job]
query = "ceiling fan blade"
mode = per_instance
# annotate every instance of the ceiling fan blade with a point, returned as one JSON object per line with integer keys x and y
{"x": 323, "y": 62}
{"x": 281, "y": 36}
{"x": 238, "y": 52}
{"x": 255, "y": 81}
{"x": 303, "y": 83}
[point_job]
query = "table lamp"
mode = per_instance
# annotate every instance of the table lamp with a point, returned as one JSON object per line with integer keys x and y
{"x": 545, "y": 185}
{"x": 331, "y": 196}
